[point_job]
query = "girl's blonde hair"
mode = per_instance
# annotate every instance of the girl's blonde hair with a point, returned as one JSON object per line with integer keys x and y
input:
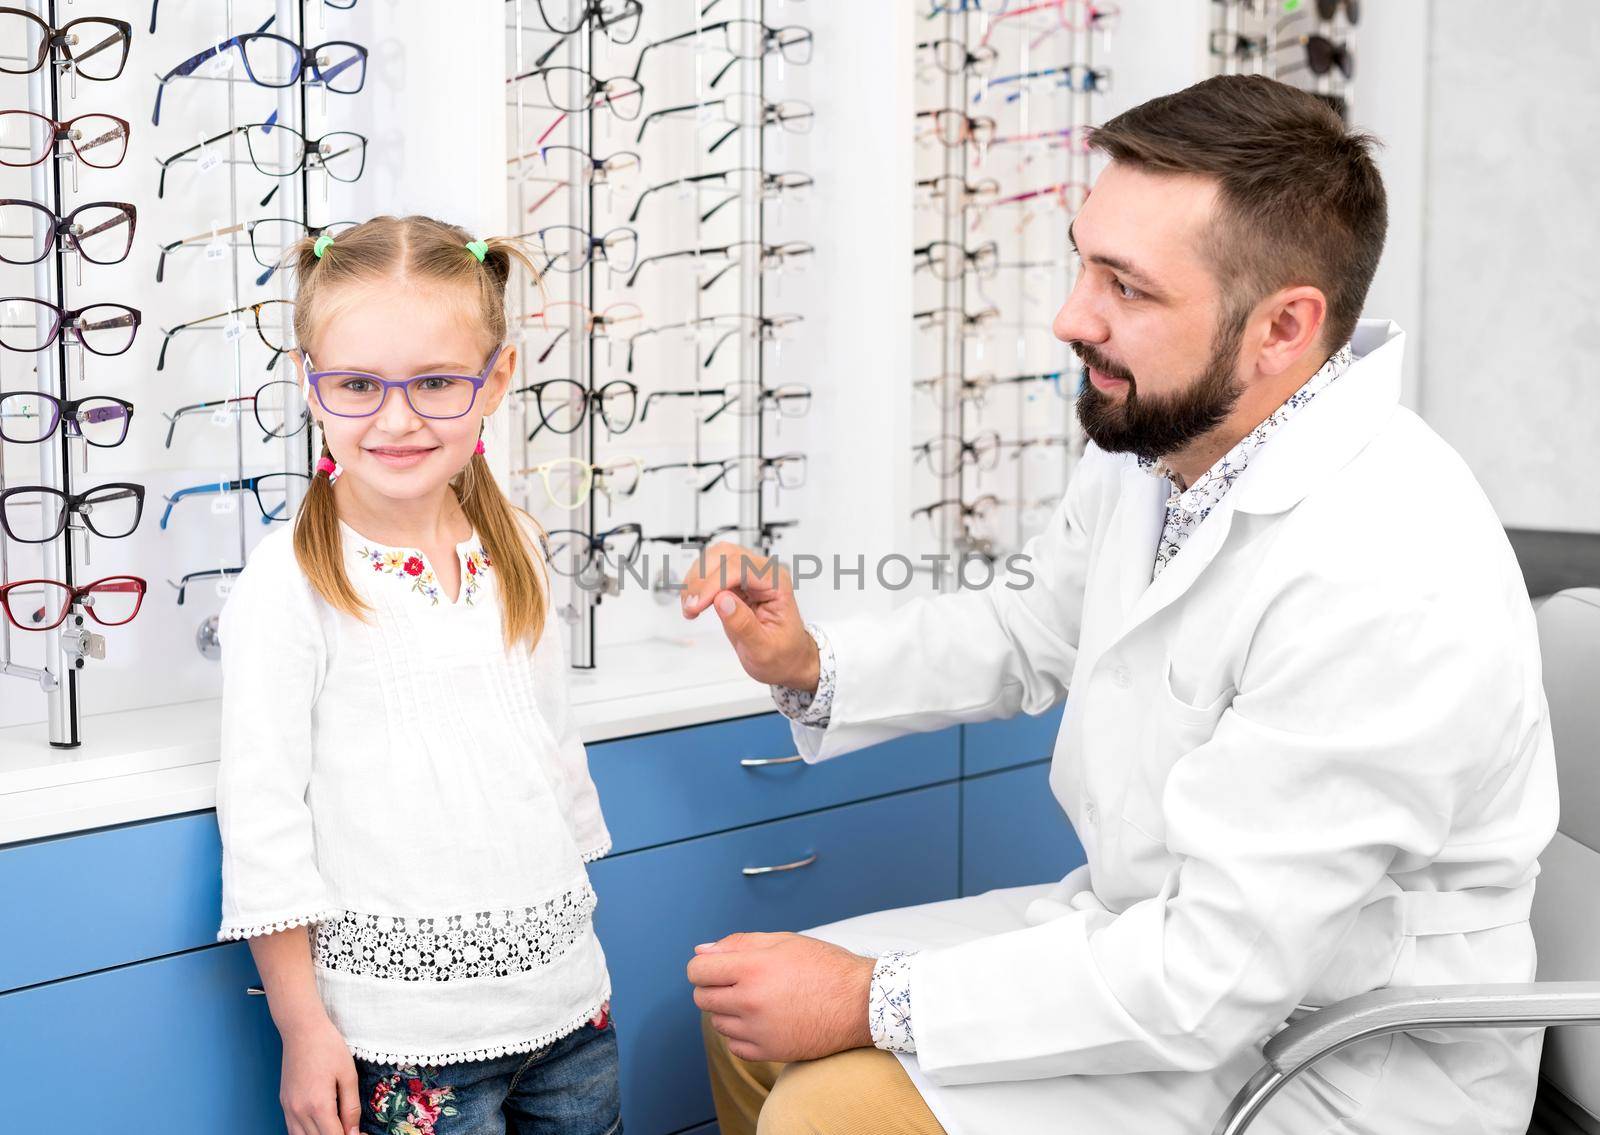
{"x": 420, "y": 249}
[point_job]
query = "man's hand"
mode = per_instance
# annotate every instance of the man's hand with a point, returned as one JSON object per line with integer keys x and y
{"x": 753, "y": 596}
{"x": 783, "y": 996}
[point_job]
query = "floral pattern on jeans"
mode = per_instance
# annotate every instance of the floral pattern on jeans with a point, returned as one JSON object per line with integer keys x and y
{"x": 410, "y": 1100}
{"x": 408, "y": 564}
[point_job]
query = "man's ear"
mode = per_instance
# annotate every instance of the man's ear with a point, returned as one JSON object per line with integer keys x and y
{"x": 1296, "y": 317}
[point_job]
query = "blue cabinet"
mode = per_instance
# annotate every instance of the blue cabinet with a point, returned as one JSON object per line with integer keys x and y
{"x": 656, "y": 905}
{"x": 173, "y": 1045}
{"x": 680, "y": 783}
{"x": 1013, "y": 833}
{"x": 117, "y": 1007}
{"x": 994, "y": 745}
{"x": 110, "y": 897}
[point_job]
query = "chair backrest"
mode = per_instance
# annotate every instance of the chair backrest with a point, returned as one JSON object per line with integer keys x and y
{"x": 1566, "y": 908}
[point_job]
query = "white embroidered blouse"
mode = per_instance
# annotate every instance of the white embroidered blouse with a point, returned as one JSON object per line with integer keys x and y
{"x": 418, "y": 797}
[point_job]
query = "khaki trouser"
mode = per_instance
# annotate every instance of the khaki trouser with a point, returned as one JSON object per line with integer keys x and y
{"x": 860, "y": 1092}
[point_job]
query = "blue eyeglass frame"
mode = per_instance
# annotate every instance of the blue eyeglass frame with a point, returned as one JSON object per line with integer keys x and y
{"x": 313, "y": 377}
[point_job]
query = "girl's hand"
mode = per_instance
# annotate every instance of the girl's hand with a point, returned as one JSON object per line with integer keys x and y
{"x": 320, "y": 1092}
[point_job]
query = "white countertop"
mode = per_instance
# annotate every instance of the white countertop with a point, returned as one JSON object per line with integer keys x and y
{"x": 161, "y": 761}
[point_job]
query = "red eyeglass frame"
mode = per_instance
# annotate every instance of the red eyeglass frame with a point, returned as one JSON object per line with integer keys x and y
{"x": 129, "y": 582}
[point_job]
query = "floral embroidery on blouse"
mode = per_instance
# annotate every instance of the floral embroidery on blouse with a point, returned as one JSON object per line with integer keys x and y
{"x": 408, "y": 565}
{"x": 1186, "y": 508}
{"x": 410, "y": 1100}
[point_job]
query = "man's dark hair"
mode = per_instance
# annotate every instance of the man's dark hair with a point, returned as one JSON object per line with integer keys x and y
{"x": 1301, "y": 199}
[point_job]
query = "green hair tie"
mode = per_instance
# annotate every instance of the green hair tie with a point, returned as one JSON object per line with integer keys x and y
{"x": 322, "y": 244}
{"x": 478, "y": 248}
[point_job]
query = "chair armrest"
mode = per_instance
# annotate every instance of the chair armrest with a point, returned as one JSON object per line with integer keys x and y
{"x": 1404, "y": 1009}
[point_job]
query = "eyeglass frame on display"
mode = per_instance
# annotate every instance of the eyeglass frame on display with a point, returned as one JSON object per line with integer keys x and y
{"x": 63, "y": 132}
{"x": 252, "y": 484}
{"x": 64, "y": 414}
{"x": 66, "y": 320}
{"x": 305, "y": 56}
{"x": 254, "y": 308}
{"x": 75, "y": 503}
{"x": 61, "y": 229}
{"x": 76, "y": 597}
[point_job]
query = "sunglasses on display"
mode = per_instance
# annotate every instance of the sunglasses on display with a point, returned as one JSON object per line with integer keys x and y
{"x": 111, "y": 602}
{"x": 99, "y": 141}
{"x": 1322, "y": 55}
{"x": 101, "y": 232}
{"x": 338, "y": 66}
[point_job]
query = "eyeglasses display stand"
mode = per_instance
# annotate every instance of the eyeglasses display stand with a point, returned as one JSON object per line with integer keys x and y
{"x": 1307, "y": 43}
{"x": 233, "y": 450}
{"x": 578, "y": 72}
{"x": 1003, "y": 98}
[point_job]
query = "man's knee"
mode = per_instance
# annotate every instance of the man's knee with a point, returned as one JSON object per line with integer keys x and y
{"x": 843, "y": 1095}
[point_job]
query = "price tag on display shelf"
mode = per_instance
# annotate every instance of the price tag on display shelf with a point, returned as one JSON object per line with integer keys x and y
{"x": 208, "y": 160}
{"x": 218, "y": 65}
{"x": 216, "y": 247}
{"x": 221, "y": 416}
{"x": 224, "y": 503}
{"x": 231, "y": 331}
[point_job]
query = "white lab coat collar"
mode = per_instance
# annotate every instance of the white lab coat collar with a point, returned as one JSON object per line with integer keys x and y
{"x": 1307, "y": 449}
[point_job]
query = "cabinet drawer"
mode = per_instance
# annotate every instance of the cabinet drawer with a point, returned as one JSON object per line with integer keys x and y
{"x": 656, "y": 905}
{"x": 172, "y": 1045}
{"x": 668, "y": 786}
{"x": 87, "y": 902}
{"x": 993, "y": 745}
{"x": 1013, "y": 833}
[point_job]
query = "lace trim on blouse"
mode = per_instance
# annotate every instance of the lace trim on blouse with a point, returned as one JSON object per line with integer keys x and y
{"x": 431, "y": 1059}
{"x": 488, "y": 943}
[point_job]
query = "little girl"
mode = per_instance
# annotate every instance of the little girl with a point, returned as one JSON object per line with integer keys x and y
{"x": 405, "y": 805}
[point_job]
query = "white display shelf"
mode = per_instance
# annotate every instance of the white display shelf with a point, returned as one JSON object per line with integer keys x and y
{"x": 162, "y": 761}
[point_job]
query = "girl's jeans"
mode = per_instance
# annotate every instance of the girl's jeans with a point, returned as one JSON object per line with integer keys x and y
{"x": 566, "y": 1088}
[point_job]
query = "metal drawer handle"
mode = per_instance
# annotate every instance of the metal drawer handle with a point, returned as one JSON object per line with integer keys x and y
{"x": 256, "y": 991}
{"x": 763, "y": 762}
{"x": 795, "y": 866}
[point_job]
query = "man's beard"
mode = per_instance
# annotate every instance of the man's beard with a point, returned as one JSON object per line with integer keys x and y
{"x": 1156, "y": 427}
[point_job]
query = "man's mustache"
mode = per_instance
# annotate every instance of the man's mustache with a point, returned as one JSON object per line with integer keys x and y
{"x": 1096, "y": 361}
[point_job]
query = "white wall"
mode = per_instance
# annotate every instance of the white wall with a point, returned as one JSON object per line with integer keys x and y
{"x": 1511, "y": 297}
